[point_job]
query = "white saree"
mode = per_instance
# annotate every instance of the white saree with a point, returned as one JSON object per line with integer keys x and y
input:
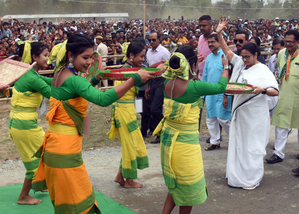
{"x": 250, "y": 126}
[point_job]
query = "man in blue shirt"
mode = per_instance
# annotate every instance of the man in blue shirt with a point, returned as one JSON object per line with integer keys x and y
{"x": 216, "y": 114}
{"x": 5, "y": 31}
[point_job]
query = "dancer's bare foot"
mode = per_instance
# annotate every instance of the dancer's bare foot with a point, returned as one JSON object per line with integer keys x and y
{"x": 132, "y": 184}
{"x": 119, "y": 180}
{"x": 29, "y": 200}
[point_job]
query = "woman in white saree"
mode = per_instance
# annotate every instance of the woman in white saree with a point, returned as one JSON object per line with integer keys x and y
{"x": 250, "y": 125}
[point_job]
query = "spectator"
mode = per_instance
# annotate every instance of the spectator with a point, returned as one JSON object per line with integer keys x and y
{"x": 205, "y": 25}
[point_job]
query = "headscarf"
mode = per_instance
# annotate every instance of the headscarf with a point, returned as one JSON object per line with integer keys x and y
{"x": 182, "y": 72}
{"x": 26, "y": 56}
{"x": 124, "y": 50}
{"x": 59, "y": 53}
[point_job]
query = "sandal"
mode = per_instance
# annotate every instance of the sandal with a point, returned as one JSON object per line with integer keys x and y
{"x": 212, "y": 147}
{"x": 252, "y": 187}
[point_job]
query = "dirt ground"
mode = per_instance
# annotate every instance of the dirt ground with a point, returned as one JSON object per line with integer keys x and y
{"x": 277, "y": 194}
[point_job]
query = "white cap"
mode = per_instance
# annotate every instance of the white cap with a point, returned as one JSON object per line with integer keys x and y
{"x": 114, "y": 24}
{"x": 245, "y": 23}
{"x": 276, "y": 18}
{"x": 240, "y": 20}
{"x": 287, "y": 20}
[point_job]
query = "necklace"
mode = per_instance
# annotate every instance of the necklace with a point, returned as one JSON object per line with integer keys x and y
{"x": 72, "y": 70}
{"x": 129, "y": 64}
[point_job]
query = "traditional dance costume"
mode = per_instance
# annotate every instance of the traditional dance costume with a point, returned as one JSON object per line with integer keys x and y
{"x": 61, "y": 168}
{"x": 181, "y": 157}
{"x": 125, "y": 125}
{"x": 27, "y": 96}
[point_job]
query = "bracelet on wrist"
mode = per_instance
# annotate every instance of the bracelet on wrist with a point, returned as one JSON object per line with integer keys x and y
{"x": 95, "y": 81}
{"x": 225, "y": 67}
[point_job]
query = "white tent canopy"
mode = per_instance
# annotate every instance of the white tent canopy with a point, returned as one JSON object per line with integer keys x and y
{"x": 70, "y": 17}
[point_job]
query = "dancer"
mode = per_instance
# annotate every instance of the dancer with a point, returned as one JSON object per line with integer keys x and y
{"x": 62, "y": 169}
{"x": 28, "y": 93}
{"x": 250, "y": 125}
{"x": 124, "y": 123}
{"x": 181, "y": 157}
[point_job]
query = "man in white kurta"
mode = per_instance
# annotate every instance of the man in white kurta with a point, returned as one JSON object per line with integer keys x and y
{"x": 216, "y": 113}
{"x": 103, "y": 50}
{"x": 250, "y": 126}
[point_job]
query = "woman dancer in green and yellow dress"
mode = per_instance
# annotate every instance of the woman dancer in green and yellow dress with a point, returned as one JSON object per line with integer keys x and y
{"x": 61, "y": 168}
{"x": 124, "y": 123}
{"x": 181, "y": 157}
{"x": 28, "y": 93}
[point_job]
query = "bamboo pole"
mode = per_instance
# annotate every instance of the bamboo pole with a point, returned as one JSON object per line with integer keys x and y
{"x": 5, "y": 99}
{"x": 114, "y": 66}
{"x": 113, "y": 56}
{"x": 144, "y": 20}
{"x": 46, "y": 72}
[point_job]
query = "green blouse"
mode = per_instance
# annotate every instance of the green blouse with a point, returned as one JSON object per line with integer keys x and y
{"x": 33, "y": 82}
{"x": 196, "y": 89}
{"x": 76, "y": 86}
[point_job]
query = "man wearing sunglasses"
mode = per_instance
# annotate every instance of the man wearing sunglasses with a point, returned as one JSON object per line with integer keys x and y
{"x": 241, "y": 38}
{"x": 285, "y": 115}
{"x": 155, "y": 89}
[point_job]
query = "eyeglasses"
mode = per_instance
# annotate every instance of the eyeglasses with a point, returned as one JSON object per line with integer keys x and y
{"x": 246, "y": 57}
{"x": 291, "y": 42}
{"x": 202, "y": 25}
{"x": 238, "y": 40}
{"x": 152, "y": 40}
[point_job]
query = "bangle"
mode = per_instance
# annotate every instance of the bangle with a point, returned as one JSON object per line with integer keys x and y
{"x": 95, "y": 81}
{"x": 137, "y": 78}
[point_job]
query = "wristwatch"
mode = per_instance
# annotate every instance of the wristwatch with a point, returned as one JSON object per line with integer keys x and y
{"x": 225, "y": 67}
{"x": 265, "y": 91}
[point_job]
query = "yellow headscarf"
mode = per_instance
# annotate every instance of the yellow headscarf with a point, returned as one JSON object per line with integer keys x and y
{"x": 59, "y": 53}
{"x": 26, "y": 56}
{"x": 182, "y": 72}
{"x": 125, "y": 49}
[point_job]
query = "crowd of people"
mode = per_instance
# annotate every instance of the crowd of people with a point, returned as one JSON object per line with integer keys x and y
{"x": 198, "y": 59}
{"x": 174, "y": 33}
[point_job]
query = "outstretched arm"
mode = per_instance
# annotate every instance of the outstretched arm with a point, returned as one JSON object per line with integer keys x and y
{"x": 221, "y": 26}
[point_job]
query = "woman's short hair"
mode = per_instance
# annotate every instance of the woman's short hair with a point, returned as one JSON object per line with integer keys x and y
{"x": 251, "y": 47}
